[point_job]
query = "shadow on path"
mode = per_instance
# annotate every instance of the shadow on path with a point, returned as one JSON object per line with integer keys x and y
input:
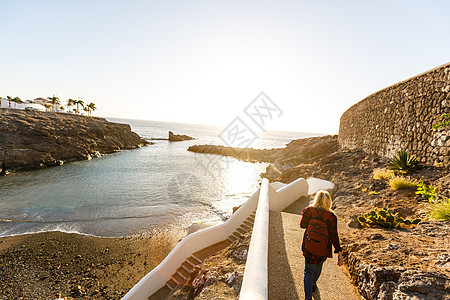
{"x": 286, "y": 262}
{"x": 284, "y": 280}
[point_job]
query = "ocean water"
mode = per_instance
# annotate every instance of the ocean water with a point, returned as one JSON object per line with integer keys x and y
{"x": 135, "y": 191}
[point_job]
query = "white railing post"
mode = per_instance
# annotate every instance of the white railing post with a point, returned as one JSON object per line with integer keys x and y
{"x": 254, "y": 284}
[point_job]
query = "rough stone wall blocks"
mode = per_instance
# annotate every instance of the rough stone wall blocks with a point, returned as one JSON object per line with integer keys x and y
{"x": 400, "y": 117}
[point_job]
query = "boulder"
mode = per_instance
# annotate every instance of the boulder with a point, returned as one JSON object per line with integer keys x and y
{"x": 179, "y": 137}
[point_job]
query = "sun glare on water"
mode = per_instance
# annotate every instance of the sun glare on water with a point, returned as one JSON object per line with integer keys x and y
{"x": 239, "y": 177}
{"x": 238, "y": 180}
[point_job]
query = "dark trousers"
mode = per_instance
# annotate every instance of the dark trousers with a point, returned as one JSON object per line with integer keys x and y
{"x": 312, "y": 273}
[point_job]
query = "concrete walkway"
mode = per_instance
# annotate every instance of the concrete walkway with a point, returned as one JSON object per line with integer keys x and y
{"x": 286, "y": 262}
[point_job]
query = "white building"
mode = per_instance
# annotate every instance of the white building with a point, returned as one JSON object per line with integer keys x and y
{"x": 39, "y": 104}
{"x": 42, "y": 101}
{"x": 26, "y": 103}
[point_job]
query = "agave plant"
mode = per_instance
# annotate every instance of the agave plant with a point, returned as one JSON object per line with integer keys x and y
{"x": 403, "y": 161}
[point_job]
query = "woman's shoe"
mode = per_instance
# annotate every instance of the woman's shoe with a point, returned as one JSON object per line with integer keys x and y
{"x": 316, "y": 293}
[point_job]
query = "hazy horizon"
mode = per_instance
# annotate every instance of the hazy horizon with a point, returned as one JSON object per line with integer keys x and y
{"x": 209, "y": 125}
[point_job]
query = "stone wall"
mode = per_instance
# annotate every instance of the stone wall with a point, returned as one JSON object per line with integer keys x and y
{"x": 400, "y": 117}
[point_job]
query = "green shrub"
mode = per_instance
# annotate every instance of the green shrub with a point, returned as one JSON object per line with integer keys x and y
{"x": 385, "y": 219}
{"x": 404, "y": 161}
{"x": 440, "y": 210}
{"x": 400, "y": 182}
{"x": 445, "y": 121}
{"x": 428, "y": 191}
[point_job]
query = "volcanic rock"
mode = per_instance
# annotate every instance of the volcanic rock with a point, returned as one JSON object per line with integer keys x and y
{"x": 31, "y": 140}
{"x": 179, "y": 137}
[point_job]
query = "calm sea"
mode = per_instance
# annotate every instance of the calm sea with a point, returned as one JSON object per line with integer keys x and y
{"x": 135, "y": 191}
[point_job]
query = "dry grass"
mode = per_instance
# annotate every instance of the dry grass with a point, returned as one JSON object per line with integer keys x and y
{"x": 383, "y": 174}
{"x": 440, "y": 210}
{"x": 400, "y": 182}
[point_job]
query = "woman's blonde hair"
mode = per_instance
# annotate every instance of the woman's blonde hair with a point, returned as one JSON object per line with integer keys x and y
{"x": 322, "y": 200}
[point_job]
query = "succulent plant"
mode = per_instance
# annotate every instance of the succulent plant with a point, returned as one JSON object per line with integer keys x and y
{"x": 403, "y": 161}
{"x": 416, "y": 221}
{"x": 384, "y": 218}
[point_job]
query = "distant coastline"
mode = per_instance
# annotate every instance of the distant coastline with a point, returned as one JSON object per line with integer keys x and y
{"x": 33, "y": 140}
{"x": 244, "y": 154}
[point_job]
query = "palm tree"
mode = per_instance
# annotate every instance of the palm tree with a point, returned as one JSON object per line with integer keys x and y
{"x": 87, "y": 109}
{"x": 91, "y": 107}
{"x": 9, "y": 98}
{"x": 70, "y": 103}
{"x": 47, "y": 106}
{"x": 79, "y": 102}
{"x": 55, "y": 100}
{"x": 16, "y": 100}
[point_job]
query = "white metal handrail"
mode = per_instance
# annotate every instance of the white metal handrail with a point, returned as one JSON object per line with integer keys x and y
{"x": 254, "y": 284}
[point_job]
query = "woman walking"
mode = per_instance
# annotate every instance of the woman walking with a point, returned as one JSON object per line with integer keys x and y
{"x": 321, "y": 232}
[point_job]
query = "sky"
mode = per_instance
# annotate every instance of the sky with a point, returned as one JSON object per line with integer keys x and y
{"x": 203, "y": 62}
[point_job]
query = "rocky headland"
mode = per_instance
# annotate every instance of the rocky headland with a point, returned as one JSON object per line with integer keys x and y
{"x": 384, "y": 263}
{"x": 244, "y": 154}
{"x": 30, "y": 140}
{"x": 179, "y": 137}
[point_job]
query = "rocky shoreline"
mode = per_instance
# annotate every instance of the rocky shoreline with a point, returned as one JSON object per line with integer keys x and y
{"x": 406, "y": 263}
{"x": 32, "y": 140}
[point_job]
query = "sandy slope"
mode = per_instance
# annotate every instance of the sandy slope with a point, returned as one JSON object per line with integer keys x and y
{"x": 45, "y": 265}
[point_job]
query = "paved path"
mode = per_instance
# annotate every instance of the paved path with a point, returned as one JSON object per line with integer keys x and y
{"x": 286, "y": 262}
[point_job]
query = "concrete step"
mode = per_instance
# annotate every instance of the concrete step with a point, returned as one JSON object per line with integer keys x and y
{"x": 241, "y": 231}
{"x": 232, "y": 238}
{"x": 196, "y": 257}
{"x": 245, "y": 227}
{"x": 178, "y": 279}
{"x": 162, "y": 293}
{"x": 171, "y": 284}
{"x": 211, "y": 250}
{"x": 237, "y": 235}
{"x": 183, "y": 273}
{"x": 187, "y": 266}
{"x": 193, "y": 261}
{"x": 248, "y": 223}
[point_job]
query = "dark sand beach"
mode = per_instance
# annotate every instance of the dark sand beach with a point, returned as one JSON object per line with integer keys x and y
{"x": 55, "y": 264}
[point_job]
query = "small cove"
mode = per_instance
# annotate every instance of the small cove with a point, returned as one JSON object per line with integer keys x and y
{"x": 134, "y": 191}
